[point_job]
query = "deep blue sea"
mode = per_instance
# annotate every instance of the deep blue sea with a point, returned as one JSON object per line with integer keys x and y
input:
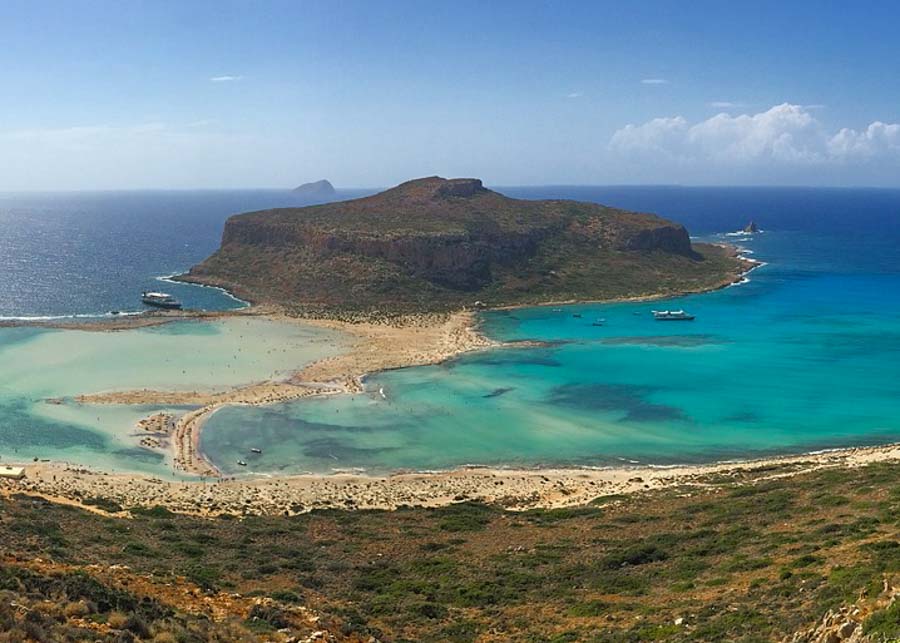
{"x": 805, "y": 356}
{"x": 89, "y": 253}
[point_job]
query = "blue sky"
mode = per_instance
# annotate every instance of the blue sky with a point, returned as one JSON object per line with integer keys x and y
{"x": 109, "y": 95}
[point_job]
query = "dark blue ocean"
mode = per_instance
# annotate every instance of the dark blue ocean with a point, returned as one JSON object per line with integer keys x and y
{"x": 88, "y": 253}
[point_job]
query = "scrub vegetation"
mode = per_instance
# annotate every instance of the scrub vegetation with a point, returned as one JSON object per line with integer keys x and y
{"x": 742, "y": 559}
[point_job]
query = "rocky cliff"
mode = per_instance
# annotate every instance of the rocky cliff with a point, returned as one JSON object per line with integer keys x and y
{"x": 435, "y": 244}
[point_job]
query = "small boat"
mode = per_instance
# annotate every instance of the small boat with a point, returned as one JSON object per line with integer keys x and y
{"x": 255, "y": 450}
{"x": 160, "y": 300}
{"x": 599, "y": 322}
{"x": 577, "y": 315}
{"x": 672, "y": 315}
{"x": 242, "y": 463}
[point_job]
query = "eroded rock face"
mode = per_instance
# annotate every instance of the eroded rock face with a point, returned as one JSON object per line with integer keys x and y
{"x": 460, "y": 188}
{"x": 433, "y": 237}
{"x": 668, "y": 238}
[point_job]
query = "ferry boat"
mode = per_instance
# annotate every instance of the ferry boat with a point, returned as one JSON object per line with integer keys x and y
{"x": 672, "y": 315}
{"x": 160, "y": 300}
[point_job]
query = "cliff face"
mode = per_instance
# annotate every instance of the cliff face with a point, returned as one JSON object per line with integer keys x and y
{"x": 435, "y": 243}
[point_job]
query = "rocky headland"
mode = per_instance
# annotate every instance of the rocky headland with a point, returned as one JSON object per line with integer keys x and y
{"x": 437, "y": 245}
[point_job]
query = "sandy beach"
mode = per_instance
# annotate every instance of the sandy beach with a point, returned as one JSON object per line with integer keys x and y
{"x": 374, "y": 345}
{"x": 513, "y": 489}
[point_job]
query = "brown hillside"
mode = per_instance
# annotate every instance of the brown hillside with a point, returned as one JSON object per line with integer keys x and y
{"x": 437, "y": 244}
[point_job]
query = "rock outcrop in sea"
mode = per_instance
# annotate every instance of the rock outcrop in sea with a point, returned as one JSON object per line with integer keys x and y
{"x": 315, "y": 190}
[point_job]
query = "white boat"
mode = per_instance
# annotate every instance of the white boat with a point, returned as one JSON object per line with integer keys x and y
{"x": 672, "y": 315}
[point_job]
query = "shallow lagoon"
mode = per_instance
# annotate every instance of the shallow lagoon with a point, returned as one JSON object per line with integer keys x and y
{"x": 805, "y": 356}
{"x": 36, "y": 364}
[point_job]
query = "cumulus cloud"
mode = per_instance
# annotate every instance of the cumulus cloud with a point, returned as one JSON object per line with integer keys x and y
{"x": 654, "y": 81}
{"x": 785, "y": 134}
{"x": 226, "y": 79}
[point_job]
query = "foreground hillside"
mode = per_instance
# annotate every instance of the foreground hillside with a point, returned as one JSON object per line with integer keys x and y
{"x": 753, "y": 557}
{"x": 435, "y": 244}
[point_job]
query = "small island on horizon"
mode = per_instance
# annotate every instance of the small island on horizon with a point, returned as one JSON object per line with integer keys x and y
{"x": 322, "y": 189}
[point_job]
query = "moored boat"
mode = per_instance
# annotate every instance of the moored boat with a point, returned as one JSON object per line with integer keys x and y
{"x": 672, "y": 315}
{"x": 160, "y": 300}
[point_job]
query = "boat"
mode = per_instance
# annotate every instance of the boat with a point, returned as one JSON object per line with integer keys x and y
{"x": 577, "y": 315}
{"x": 255, "y": 450}
{"x": 672, "y": 315}
{"x": 160, "y": 300}
{"x": 599, "y": 322}
{"x": 242, "y": 463}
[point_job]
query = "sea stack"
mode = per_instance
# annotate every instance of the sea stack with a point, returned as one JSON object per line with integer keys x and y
{"x": 751, "y": 227}
{"x": 315, "y": 190}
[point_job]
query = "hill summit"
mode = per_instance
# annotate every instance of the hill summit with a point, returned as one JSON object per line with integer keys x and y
{"x": 437, "y": 244}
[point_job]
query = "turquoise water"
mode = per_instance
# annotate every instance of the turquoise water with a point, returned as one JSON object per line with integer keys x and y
{"x": 37, "y": 364}
{"x": 806, "y": 356}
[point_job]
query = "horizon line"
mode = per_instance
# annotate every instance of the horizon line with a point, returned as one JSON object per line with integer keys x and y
{"x": 798, "y": 186}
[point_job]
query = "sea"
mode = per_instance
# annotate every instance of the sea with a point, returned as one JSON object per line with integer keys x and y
{"x": 803, "y": 356}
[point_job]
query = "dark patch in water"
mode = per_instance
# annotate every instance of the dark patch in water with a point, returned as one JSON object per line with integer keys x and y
{"x": 340, "y": 452}
{"x": 497, "y": 392}
{"x": 292, "y": 424}
{"x": 515, "y": 358}
{"x": 137, "y": 453}
{"x": 615, "y": 397}
{"x": 742, "y": 416}
{"x": 664, "y": 340}
{"x": 20, "y": 430}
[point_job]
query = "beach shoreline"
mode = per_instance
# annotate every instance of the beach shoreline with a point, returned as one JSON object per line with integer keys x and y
{"x": 375, "y": 345}
{"x": 514, "y": 489}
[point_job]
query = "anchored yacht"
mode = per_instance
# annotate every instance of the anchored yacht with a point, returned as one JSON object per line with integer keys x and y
{"x": 160, "y": 300}
{"x": 672, "y": 315}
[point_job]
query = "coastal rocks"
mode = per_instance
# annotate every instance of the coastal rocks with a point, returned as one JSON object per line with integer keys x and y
{"x": 836, "y": 626}
{"x": 751, "y": 228}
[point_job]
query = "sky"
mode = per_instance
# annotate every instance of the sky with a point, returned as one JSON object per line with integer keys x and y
{"x": 195, "y": 94}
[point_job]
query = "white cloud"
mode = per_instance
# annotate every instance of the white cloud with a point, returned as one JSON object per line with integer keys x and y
{"x": 226, "y": 79}
{"x": 787, "y": 135}
{"x": 878, "y": 140}
{"x": 654, "y": 81}
{"x": 724, "y": 104}
{"x": 574, "y": 95}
